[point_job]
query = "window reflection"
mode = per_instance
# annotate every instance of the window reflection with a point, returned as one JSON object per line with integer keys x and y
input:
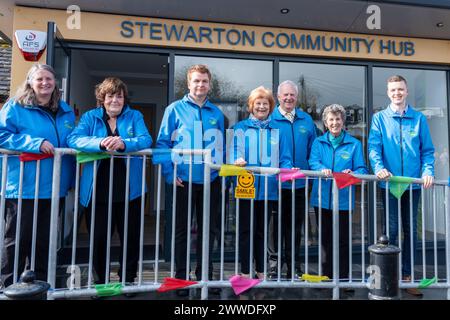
{"x": 324, "y": 84}
{"x": 232, "y": 81}
{"x": 319, "y": 86}
{"x": 427, "y": 93}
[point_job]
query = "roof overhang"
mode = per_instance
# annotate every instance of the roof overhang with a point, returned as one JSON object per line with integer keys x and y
{"x": 410, "y": 18}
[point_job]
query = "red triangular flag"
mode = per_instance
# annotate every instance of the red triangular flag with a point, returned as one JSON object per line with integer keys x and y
{"x": 345, "y": 179}
{"x": 173, "y": 284}
{"x": 26, "y": 156}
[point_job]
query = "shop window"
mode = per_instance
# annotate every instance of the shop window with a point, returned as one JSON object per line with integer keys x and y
{"x": 323, "y": 84}
{"x": 232, "y": 81}
{"x": 319, "y": 86}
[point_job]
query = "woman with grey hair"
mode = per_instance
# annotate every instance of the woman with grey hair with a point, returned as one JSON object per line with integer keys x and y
{"x": 335, "y": 151}
{"x": 35, "y": 121}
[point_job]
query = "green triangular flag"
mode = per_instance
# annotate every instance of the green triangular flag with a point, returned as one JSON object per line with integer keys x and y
{"x": 83, "y": 157}
{"x": 398, "y": 185}
{"x": 427, "y": 282}
{"x": 108, "y": 290}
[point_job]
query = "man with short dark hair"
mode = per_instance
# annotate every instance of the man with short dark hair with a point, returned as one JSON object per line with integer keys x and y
{"x": 400, "y": 145}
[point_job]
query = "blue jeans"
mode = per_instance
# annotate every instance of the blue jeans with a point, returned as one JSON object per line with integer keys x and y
{"x": 405, "y": 220}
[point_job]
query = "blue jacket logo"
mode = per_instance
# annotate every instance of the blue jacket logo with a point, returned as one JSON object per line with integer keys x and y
{"x": 130, "y": 132}
{"x": 212, "y": 121}
{"x": 345, "y": 155}
{"x": 68, "y": 125}
{"x": 412, "y": 133}
{"x": 302, "y": 129}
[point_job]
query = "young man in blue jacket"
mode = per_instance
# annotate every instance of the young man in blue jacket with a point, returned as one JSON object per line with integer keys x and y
{"x": 400, "y": 145}
{"x": 299, "y": 130}
{"x": 192, "y": 123}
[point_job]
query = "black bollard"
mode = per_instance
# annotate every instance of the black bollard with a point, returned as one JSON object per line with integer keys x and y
{"x": 28, "y": 288}
{"x": 384, "y": 263}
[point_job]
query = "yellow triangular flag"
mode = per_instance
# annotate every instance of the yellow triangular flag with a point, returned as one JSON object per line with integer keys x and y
{"x": 227, "y": 170}
{"x": 313, "y": 278}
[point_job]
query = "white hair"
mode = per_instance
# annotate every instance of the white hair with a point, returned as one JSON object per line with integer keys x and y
{"x": 288, "y": 83}
{"x": 333, "y": 108}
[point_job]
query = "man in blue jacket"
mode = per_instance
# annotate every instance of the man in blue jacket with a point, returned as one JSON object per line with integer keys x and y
{"x": 192, "y": 123}
{"x": 400, "y": 145}
{"x": 300, "y": 132}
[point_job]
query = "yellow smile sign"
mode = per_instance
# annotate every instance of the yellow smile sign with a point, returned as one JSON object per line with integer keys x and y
{"x": 246, "y": 186}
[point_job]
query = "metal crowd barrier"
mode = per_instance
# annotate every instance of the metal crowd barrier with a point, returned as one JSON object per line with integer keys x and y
{"x": 140, "y": 285}
{"x": 372, "y": 223}
{"x": 74, "y": 288}
{"x": 378, "y": 221}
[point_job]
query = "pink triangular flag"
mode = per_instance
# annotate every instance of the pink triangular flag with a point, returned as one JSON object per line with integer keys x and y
{"x": 291, "y": 175}
{"x": 241, "y": 284}
{"x": 286, "y": 170}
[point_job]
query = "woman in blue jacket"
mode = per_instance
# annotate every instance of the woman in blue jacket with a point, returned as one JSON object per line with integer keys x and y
{"x": 34, "y": 121}
{"x": 335, "y": 151}
{"x": 112, "y": 126}
{"x": 256, "y": 143}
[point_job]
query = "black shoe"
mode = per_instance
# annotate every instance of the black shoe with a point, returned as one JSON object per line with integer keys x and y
{"x": 182, "y": 292}
{"x": 214, "y": 290}
{"x": 130, "y": 294}
{"x": 297, "y": 274}
{"x": 273, "y": 273}
{"x": 349, "y": 291}
{"x": 412, "y": 291}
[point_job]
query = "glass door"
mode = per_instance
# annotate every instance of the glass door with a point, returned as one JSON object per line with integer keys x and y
{"x": 58, "y": 56}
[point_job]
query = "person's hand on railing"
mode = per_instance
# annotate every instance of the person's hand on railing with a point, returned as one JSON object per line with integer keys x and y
{"x": 113, "y": 143}
{"x": 47, "y": 147}
{"x": 327, "y": 172}
{"x": 240, "y": 162}
{"x": 383, "y": 174}
{"x": 179, "y": 182}
{"x": 427, "y": 181}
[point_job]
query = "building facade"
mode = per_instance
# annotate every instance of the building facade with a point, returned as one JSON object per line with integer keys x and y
{"x": 152, "y": 54}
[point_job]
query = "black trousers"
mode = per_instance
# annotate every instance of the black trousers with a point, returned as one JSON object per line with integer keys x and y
{"x": 26, "y": 235}
{"x": 286, "y": 227}
{"x": 258, "y": 233}
{"x": 117, "y": 223}
{"x": 181, "y": 225}
{"x": 327, "y": 243}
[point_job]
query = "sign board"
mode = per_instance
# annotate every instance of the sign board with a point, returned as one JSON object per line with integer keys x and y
{"x": 31, "y": 43}
{"x": 245, "y": 186}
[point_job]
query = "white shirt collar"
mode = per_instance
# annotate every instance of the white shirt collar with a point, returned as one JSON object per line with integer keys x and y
{"x": 283, "y": 113}
{"x": 193, "y": 101}
{"x": 395, "y": 111}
